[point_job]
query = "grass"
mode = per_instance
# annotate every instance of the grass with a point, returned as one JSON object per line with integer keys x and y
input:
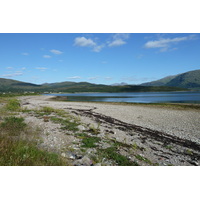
{"x": 67, "y": 121}
{"x": 112, "y": 154}
{"x": 13, "y": 125}
{"x": 94, "y": 130}
{"x": 13, "y": 105}
{"x": 67, "y": 124}
{"x": 141, "y": 158}
{"x": 46, "y": 110}
{"x": 109, "y": 153}
{"x": 18, "y": 141}
{"x": 22, "y": 153}
{"x": 90, "y": 142}
{"x": 169, "y": 147}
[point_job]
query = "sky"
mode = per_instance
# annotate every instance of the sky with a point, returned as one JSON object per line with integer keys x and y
{"x": 104, "y": 58}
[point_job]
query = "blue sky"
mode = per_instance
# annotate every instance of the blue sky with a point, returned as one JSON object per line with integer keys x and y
{"x": 97, "y": 58}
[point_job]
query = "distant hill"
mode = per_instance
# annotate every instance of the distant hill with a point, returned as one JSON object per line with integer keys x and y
{"x": 8, "y": 85}
{"x": 189, "y": 80}
{"x": 16, "y": 86}
{"x": 160, "y": 82}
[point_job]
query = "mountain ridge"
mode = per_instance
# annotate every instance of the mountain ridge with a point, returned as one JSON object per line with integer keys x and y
{"x": 189, "y": 80}
{"x": 9, "y": 85}
{"x": 179, "y": 82}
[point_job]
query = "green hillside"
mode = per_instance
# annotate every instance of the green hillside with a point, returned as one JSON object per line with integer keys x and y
{"x": 160, "y": 82}
{"x": 190, "y": 80}
{"x": 7, "y": 85}
{"x": 16, "y": 86}
{"x": 186, "y": 80}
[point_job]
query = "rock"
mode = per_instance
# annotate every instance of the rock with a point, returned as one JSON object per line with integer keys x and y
{"x": 85, "y": 161}
{"x": 46, "y": 119}
{"x": 97, "y": 164}
{"x": 81, "y": 128}
{"x": 78, "y": 156}
{"x": 71, "y": 156}
{"x": 63, "y": 155}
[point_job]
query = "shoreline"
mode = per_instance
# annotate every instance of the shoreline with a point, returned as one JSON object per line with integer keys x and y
{"x": 153, "y": 128}
{"x": 169, "y": 105}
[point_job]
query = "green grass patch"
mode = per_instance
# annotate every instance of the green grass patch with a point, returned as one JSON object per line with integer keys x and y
{"x": 22, "y": 153}
{"x": 90, "y": 142}
{"x": 67, "y": 123}
{"x": 141, "y": 158}
{"x": 112, "y": 154}
{"x": 94, "y": 130}
{"x": 13, "y": 105}
{"x": 47, "y": 110}
{"x": 169, "y": 147}
{"x": 13, "y": 125}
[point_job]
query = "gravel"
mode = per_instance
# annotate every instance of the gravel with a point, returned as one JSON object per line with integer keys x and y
{"x": 182, "y": 123}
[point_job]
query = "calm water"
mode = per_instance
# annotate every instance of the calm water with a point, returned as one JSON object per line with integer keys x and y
{"x": 137, "y": 97}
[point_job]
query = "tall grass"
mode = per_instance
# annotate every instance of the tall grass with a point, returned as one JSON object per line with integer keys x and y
{"x": 23, "y": 153}
{"x": 18, "y": 146}
{"x": 13, "y": 105}
{"x": 13, "y": 125}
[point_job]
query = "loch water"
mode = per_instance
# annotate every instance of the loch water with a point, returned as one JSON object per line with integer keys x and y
{"x": 136, "y": 97}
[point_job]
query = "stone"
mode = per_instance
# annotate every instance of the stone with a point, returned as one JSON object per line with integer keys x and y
{"x": 85, "y": 161}
{"x": 63, "y": 155}
{"x": 81, "y": 128}
{"x": 97, "y": 164}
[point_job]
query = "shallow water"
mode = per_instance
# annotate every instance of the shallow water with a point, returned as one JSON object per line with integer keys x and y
{"x": 136, "y": 97}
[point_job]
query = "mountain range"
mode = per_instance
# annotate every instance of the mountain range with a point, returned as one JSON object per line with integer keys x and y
{"x": 189, "y": 80}
{"x": 180, "y": 82}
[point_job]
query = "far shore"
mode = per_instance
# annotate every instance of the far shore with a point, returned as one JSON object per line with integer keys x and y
{"x": 164, "y": 105}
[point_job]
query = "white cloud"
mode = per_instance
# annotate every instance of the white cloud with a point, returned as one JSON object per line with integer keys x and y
{"x": 118, "y": 39}
{"x": 57, "y": 52}
{"x": 74, "y": 77}
{"x": 165, "y": 43}
{"x": 23, "y": 68}
{"x": 25, "y": 54}
{"x": 12, "y": 75}
{"x": 98, "y": 48}
{"x": 117, "y": 42}
{"x": 9, "y": 67}
{"x": 84, "y": 42}
{"x": 108, "y": 78}
{"x": 41, "y": 68}
{"x": 93, "y": 78}
{"x": 123, "y": 36}
{"x": 46, "y": 56}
